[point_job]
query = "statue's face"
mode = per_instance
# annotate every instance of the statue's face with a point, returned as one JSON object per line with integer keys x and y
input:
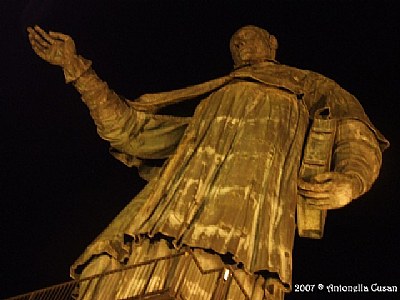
{"x": 248, "y": 46}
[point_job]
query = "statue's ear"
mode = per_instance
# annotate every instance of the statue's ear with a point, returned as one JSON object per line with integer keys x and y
{"x": 273, "y": 42}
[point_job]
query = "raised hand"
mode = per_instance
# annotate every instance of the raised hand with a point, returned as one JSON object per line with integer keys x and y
{"x": 53, "y": 47}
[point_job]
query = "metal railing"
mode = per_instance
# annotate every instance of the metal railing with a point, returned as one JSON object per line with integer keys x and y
{"x": 73, "y": 289}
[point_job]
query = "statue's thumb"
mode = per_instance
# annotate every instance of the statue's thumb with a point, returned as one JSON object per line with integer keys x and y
{"x": 322, "y": 178}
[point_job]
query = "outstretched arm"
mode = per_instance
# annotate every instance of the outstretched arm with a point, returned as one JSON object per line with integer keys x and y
{"x": 129, "y": 131}
{"x": 107, "y": 109}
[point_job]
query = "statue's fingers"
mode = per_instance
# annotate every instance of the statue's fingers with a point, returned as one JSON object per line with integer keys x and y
{"x": 37, "y": 46}
{"x": 39, "y": 49}
{"x": 324, "y": 204}
{"x": 316, "y": 187}
{"x": 31, "y": 38}
{"x": 40, "y": 41}
{"x": 304, "y": 184}
{"x": 314, "y": 194}
{"x": 42, "y": 55}
{"x": 30, "y": 29}
{"x": 319, "y": 203}
{"x": 59, "y": 35}
{"x": 323, "y": 177}
{"x": 35, "y": 38}
{"x": 44, "y": 35}
{"x": 40, "y": 52}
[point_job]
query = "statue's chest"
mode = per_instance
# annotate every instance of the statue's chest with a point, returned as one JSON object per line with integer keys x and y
{"x": 252, "y": 111}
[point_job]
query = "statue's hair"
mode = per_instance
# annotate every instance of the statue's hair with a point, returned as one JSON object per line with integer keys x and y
{"x": 269, "y": 40}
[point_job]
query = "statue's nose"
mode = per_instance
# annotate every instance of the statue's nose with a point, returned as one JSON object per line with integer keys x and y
{"x": 242, "y": 43}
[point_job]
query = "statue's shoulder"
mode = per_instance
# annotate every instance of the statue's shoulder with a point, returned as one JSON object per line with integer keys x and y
{"x": 281, "y": 75}
{"x": 303, "y": 75}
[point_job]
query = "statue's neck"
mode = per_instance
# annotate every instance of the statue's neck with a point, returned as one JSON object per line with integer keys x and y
{"x": 260, "y": 63}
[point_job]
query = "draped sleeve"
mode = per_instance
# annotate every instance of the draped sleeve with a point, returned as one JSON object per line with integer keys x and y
{"x": 322, "y": 92}
{"x": 133, "y": 135}
{"x": 358, "y": 144}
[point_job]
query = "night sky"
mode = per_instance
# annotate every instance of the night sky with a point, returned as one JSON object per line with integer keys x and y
{"x": 59, "y": 187}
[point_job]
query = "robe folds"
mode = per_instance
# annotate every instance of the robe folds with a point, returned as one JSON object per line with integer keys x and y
{"x": 229, "y": 182}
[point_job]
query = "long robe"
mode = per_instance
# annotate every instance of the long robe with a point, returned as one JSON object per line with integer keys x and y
{"x": 230, "y": 180}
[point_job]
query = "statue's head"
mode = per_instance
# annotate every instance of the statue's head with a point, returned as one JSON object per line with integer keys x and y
{"x": 251, "y": 44}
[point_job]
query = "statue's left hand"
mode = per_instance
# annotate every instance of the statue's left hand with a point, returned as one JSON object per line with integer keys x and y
{"x": 329, "y": 190}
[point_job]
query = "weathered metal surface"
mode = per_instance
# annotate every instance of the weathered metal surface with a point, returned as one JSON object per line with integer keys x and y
{"x": 184, "y": 279}
{"x": 231, "y": 181}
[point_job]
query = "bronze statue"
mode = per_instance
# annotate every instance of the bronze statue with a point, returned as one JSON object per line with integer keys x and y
{"x": 267, "y": 140}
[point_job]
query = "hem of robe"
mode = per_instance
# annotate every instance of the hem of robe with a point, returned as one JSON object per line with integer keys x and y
{"x": 121, "y": 251}
{"x": 186, "y": 261}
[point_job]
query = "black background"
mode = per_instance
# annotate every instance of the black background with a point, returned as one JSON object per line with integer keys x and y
{"x": 60, "y": 187}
